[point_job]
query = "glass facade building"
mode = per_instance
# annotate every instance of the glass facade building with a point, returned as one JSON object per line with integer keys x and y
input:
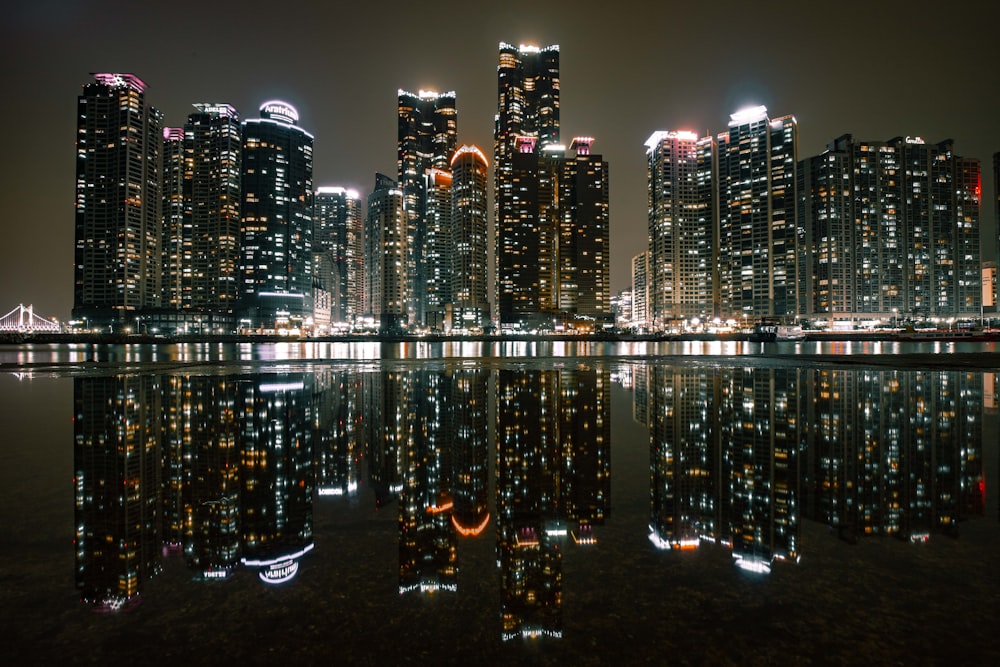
{"x": 338, "y": 250}
{"x": 426, "y": 140}
{"x": 276, "y": 222}
{"x": 117, "y": 257}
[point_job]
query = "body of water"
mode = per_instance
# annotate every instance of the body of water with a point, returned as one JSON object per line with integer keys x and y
{"x": 500, "y": 502}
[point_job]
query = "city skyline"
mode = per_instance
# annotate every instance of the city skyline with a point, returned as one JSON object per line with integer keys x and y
{"x": 619, "y": 85}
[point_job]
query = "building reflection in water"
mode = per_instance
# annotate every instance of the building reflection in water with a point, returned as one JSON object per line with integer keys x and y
{"x": 226, "y": 469}
{"x": 553, "y": 480}
{"x": 740, "y": 456}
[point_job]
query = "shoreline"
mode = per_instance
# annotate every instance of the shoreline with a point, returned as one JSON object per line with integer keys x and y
{"x": 886, "y": 336}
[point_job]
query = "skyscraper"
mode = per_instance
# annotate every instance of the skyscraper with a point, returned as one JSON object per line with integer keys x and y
{"x": 757, "y": 226}
{"x": 890, "y": 230}
{"x": 827, "y": 254}
{"x": 213, "y": 141}
{"x": 276, "y": 221}
{"x": 584, "y": 244}
{"x": 385, "y": 257}
{"x": 426, "y": 139}
{"x": 527, "y": 121}
{"x": 435, "y": 284}
{"x": 176, "y": 245}
{"x": 118, "y": 225}
{"x": 682, "y": 229}
{"x": 469, "y": 267}
{"x": 338, "y": 247}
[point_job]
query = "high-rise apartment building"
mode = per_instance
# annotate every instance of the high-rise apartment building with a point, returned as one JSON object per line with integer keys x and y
{"x": 426, "y": 140}
{"x": 469, "y": 242}
{"x": 213, "y": 146}
{"x": 890, "y": 231}
{"x": 827, "y": 254}
{"x": 338, "y": 250}
{"x": 527, "y": 121}
{"x": 276, "y": 221}
{"x": 682, "y": 230}
{"x": 385, "y": 284}
{"x": 435, "y": 283}
{"x": 584, "y": 245}
{"x": 176, "y": 244}
{"x": 117, "y": 259}
{"x": 757, "y": 225}
{"x": 552, "y": 233}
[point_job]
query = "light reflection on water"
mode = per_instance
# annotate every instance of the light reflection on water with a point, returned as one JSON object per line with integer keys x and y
{"x": 81, "y": 353}
{"x": 515, "y": 489}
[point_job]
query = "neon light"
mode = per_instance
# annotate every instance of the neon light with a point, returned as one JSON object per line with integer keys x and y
{"x": 280, "y": 559}
{"x": 474, "y": 530}
{"x": 279, "y": 573}
{"x": 227, "y": 110}
{"x": 280, "y": 111}
{"x": 466, "y": 150}
{"x": 437, "y": 509}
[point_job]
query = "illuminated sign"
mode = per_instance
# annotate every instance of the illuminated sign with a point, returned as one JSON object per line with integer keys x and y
{"x": 279, "y": 572}
{"x": 280, "y": 111}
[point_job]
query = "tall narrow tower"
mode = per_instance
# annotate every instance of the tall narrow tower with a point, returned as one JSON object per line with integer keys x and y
{"x": 212, "y": 139}
{"x": 427, "y": 138}
{"x": 682, "y": 239}
{"x": 338, "y": 242}
{"x": 527, "y": 122}
{"x": 757, "y": 181}
{"x": 276, "y": 221}
{"x": 469, "y": 214}
{"x": 117, "y": 232}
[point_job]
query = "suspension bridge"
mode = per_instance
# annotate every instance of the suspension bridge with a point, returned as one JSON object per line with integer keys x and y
{"x": 22, "y": 319}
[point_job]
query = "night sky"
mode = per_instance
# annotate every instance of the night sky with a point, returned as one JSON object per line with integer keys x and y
{"x": 874, "y": 68}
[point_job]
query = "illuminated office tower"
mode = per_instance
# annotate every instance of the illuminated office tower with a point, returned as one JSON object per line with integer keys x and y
{"x": 385, "y": 280}
{"x": 682, "y": 237}
{"x": 469, "y": 241}
{"x": 426, "y": 139}
{"x": 117, "y": 486}
{"x": 757, "y": 207}
{"x": 827, "y": 262}
{"x": 276, "y": 475}
{"x": 640, "y": 292}
{"x": 435, "y": 286}
{"x": 276, "y": 221}
{"x": 176, "y": 230}
{"x": 117, "y": 258}
{"x": 338, "y": 247}
{"x": 527, "y": 109}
